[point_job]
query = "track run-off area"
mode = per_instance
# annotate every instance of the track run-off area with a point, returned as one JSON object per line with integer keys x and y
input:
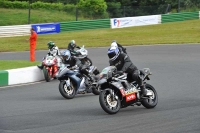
{"x": 39, "y": 107}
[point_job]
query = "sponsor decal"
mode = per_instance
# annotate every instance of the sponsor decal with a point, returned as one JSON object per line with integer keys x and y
{"x": 123, "y": 92}
{"x": 116, "y": 22}
{"x": 130, "y": 97}
{"x": 47, "y": 28}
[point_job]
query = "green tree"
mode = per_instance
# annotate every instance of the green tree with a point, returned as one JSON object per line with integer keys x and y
{"x": 95, "y": 8}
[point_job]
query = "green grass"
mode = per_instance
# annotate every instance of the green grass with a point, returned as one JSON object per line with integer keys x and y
{"x": 20, "y": 16}
{"x": 7, "y": 64}
{"x": 168, "y": 33}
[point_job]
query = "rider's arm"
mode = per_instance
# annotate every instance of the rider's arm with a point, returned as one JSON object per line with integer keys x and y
{"x": 78, "y": 62}
{"x": 111, "y": 63}
{"x": 126, "y": 61}
{"x": 78, "y": 47}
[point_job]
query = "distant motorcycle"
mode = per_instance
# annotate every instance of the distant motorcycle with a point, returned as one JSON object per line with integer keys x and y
{"x": 50, "y": 67}
{"x": 72, "y": 82}
{"x": 117, "y": 93}
{"x": 82, "y": 54}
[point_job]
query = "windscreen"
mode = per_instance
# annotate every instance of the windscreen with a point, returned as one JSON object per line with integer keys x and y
{"x": 106, "y": 71}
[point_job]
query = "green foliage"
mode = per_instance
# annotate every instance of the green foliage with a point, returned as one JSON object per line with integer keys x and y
{"x": 48, "y": 6}
{"x": 15, "y": 4}
{"x": 20, "y": 16}
{"x": 93, "y": 7}
{"x": 114, "y": 9}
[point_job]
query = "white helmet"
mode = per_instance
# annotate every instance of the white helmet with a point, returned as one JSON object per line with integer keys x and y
{"x": 114, "y": 44}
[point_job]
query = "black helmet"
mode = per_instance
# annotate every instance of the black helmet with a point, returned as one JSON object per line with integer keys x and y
{"x": 72, "y": 44}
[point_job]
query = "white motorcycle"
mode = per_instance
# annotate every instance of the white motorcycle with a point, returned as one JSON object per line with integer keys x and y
{"x": 82, "y": 54}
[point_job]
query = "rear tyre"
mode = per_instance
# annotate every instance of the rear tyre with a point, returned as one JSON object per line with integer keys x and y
{"x": 152, "y": 101}
{"x": 108, "y": 105}
{"x": 67, "y": 92}
{"x": 87, "y": 61}
{"x": 96, "y": 90}
{"x": 46, "y": 74}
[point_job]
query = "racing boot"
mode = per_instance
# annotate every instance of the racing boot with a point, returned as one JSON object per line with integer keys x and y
{"x": 143, "y": 91}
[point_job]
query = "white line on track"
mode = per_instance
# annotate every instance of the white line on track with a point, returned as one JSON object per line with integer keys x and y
{"x": 25, "y": 84}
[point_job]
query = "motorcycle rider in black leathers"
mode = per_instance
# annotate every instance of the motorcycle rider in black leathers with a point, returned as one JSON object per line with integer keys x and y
{"x": 120, "y": 47}
{"x": 71, "y": 47}
{"x": 74, "y": 62}
{"x": 123, "y": 64}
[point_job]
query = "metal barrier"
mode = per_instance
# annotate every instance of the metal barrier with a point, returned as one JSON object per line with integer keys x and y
{"x": 174, "y": 17}
{"x": 83, "y": 25}
{"x": 15, "y": 30}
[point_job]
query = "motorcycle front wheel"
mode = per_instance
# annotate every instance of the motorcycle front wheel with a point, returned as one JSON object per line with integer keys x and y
{"x": 67, "y": 92}
{"x": 46, "y": 74}
{"x": 107, "y": 103}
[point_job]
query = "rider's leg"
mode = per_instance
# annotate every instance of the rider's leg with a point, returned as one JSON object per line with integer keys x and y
{"x": 136, "y": 77}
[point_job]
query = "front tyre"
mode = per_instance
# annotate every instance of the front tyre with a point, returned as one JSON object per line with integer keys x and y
{"x": 67, "y": 92}
{"x": 108, "y": 105}
{"x": 151, "y": 101}
{"x": 47, "y": 76}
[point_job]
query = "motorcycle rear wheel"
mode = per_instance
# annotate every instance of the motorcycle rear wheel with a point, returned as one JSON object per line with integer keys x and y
{"x": 95, "y": 90}
{"x": 67, "y": 92}
{"x": 87, "y": 61}
{"x": 46, "y": 74}
{"x": 109, "y": 106}
{"x": 152, "y": 101}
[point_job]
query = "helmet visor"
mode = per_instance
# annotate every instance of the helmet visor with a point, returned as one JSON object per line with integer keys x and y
{"x": 111, "y": 55}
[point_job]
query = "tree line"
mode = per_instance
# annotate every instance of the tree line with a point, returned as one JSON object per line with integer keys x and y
{"x": 173, "y": 3}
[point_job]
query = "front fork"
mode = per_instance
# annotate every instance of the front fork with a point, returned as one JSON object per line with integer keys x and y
{"x": 67, "y": 82}
{"x": 112, "y": 94}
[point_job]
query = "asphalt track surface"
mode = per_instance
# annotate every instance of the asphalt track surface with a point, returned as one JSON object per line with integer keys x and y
{"x": 39, "y": 108}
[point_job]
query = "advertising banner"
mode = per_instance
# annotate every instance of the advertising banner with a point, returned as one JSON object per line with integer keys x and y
{"x": 134, "y": 21}
{"x": 47, "y": 28}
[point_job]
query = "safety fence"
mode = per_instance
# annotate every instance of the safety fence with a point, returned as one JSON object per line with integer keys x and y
{"x": 175, "y": 17}
{"x": 84, "y": 25}
{"x": 16, "y": 30}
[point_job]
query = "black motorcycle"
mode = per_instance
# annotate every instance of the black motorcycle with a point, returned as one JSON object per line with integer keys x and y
{"x": 117, "y": 92}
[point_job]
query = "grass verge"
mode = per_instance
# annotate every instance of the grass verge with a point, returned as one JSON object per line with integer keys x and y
{"x": 168, "y": 33}
{"x": 20, "y": 16}
{"x": 7, "y": 64}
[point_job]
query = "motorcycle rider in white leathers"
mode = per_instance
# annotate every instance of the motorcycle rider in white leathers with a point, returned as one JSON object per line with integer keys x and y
{"x": 53, "y": 51}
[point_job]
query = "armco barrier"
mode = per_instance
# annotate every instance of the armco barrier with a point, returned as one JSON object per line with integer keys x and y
{"x": 3, "y": 78}
{"x": 20, "y": 76}
{"x": 15, "y": 30}
{"x": 179, "y": 16}
{"x": 83, "y": 25}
